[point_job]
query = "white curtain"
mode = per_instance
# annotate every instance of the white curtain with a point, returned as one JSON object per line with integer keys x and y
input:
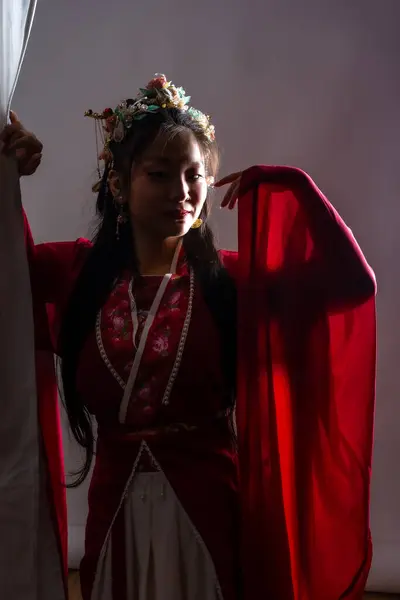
{"x": 29, "y": 560}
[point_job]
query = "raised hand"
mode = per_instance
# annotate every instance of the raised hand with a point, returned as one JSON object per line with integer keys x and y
{"x": 231, "y": 197}
{"x": 24, "y": 145}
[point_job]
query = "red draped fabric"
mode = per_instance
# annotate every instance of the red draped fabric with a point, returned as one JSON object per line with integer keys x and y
{"x": 306, "y": 387}
{"x": 49, "y": 419}
{"x": 49, "y": 416}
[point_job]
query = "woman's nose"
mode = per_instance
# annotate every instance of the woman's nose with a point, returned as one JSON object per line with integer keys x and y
{"x": 179, "y": 189}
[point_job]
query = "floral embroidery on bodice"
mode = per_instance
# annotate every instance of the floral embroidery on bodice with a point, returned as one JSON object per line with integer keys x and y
{"x": 115, "y": 336}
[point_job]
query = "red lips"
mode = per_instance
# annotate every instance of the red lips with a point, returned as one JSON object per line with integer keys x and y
{"x": 178, "y": 213}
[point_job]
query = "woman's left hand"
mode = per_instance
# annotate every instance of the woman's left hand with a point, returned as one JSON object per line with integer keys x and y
{"x": 232, "y": 195}
{"x": 16, "y": 141}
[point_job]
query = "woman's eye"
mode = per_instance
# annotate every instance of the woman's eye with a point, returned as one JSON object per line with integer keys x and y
{"x": 164, "y": 175}
{"x": 195, "y": 177}
{"x": 158, "y": 175}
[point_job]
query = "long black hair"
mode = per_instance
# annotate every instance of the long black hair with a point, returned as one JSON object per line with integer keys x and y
{"x": 109, "y": 257}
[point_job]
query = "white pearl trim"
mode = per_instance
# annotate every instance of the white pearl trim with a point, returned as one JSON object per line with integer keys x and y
{"x": 182, "y": 342}
{"x": 103, "y": 352}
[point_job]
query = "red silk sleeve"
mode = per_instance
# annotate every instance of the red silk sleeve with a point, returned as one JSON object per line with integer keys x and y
{"x": 306, "y": 388}
{"x": 53, "y": 269}
{"x": 308, "y": 245}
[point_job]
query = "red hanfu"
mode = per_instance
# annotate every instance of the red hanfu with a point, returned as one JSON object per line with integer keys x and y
{"x": 297, "y": 518}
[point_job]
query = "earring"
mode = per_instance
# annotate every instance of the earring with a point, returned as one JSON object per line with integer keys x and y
{"x": 122, "y": 218}
{"x": 198, "y": 223}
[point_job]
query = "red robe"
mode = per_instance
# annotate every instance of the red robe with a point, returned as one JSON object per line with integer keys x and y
{"x": 306, "y": 379}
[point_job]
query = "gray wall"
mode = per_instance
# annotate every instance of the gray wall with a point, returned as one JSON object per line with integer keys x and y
{"x": 312, "y": 83}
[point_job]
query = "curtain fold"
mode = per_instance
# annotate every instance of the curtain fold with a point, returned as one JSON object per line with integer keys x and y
{"x": 30, "y": 565}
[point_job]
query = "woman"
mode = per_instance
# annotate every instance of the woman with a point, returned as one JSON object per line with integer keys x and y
{"x": 161, "y": 337}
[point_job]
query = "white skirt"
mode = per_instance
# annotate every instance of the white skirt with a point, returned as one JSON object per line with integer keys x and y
{"x": 166, "y": 559}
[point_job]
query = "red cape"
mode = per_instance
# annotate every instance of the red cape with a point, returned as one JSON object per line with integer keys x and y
{"x": 306, "y": 388}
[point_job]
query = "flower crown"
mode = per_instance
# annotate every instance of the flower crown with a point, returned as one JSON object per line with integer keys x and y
{"x": 158, "y": 94}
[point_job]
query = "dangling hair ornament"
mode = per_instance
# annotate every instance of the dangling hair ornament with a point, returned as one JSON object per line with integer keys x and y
{"x": 113, "y": 125}
{"x": 122, "y": 217}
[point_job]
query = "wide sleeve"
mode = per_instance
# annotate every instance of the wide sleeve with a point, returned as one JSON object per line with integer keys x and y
{"x": 305, "y": 242}
{"x": 306, "y": 389}
{"x": 54, "y": 268}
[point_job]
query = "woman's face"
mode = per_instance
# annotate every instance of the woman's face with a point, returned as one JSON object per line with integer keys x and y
{"x": 168, "y": 187}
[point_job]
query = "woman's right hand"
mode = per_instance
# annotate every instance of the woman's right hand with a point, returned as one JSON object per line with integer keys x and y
{"x": 24, "y": 145}
{"x": 231, "y": 197}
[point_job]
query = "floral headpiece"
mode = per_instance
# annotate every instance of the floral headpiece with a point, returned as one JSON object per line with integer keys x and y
{"x": 158, "y": 94}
